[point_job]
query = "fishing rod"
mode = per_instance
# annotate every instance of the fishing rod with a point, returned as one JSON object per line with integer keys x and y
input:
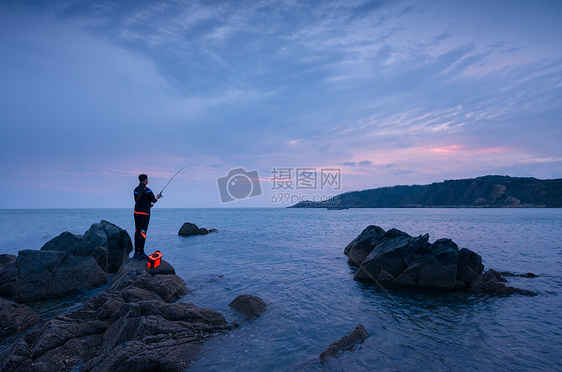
{"x": 178, "y": 172}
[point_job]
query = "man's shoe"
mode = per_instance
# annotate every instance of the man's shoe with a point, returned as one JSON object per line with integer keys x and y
{"x": 136, "y": 255}
{"x": 142, "y": 257}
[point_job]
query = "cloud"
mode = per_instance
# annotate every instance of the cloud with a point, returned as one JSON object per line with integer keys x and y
{"x": 478, "y": 91}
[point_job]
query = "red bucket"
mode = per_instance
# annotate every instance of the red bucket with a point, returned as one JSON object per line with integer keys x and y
{"x": 154, "y": 260}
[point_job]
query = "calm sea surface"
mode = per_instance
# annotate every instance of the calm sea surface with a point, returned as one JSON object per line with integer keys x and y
{"x": 293, "y": 259}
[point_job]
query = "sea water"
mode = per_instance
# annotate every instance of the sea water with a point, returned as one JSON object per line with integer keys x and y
{"x": 293, "y": 259}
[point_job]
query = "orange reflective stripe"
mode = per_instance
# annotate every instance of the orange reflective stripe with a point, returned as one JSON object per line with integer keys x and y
{"x": 143, "y": 234}
{"x": 146, "y": 214}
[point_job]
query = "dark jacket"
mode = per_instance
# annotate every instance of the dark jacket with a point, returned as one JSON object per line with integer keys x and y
{"x": 144, "y": 197}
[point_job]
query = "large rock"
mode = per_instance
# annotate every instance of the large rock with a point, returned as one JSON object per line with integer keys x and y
{"x": 155, "y": 336}
{"x": 396, "y": 258}
{"x": 358, "y": 335}
{"x": 15, "y": 318}
{"x": 191, "y": 229}
{"x": 138, "y": 281}
{"x": 387, "y": 256}
{"x": 107, "y": 243}
{"x": 248, "y": 305}
{"x": 119, "y": 330}
{"x": 46, "y": 274}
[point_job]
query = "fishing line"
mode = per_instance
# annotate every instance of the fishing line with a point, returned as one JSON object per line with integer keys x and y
{"x": 178, "y": 172}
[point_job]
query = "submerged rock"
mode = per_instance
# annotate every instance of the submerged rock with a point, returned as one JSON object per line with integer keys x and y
{"x": 492, "y": 282}
{"x": 249, "y": 305}
{"x": 524, "y": 275}
{"x": 358, "y": 335}
{"x": 396, "y": 258}
{"x": 190, "y": 229}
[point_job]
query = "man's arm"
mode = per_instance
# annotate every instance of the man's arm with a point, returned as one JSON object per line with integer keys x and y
{"x": 153, "y": 199}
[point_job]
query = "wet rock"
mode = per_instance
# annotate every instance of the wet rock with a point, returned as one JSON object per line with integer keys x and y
{"x": 358, "y": 335}
{"x": 396, "y": 258}
{"x": 524, "y": 275}
{"x": 188, "y": 229}
{"x": 47, "y": 274}
{"x": 149, "y": 318}
{"x": 492, "y": 282}
{"x": 248, "y": 305}
{"x": 361, "y": 246}
{"x": 191, "y": 229}
{"x": 15, "y": 318}
{"x": 128, "y": 327}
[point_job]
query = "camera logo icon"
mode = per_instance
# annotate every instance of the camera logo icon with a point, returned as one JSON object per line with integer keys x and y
{"x": 239, "y": 184}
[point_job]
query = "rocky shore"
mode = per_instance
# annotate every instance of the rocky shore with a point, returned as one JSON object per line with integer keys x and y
{"x": 133, "y": 325}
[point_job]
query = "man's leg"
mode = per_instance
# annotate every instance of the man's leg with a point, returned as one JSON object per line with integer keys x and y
{"x": 143, "y": 227}
{"x": 138, "y": 236}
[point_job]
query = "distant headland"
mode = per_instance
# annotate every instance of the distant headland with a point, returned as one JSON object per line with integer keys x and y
{"x": 479, "y": 192}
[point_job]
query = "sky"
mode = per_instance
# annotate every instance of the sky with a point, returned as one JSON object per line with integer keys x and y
{"x": 263, "y": 96}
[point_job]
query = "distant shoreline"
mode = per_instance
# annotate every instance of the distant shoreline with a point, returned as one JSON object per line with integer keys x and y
{"x": 479, "y": 192}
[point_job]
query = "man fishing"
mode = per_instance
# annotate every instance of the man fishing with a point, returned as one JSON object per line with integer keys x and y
{"x": 144, "y": 200}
